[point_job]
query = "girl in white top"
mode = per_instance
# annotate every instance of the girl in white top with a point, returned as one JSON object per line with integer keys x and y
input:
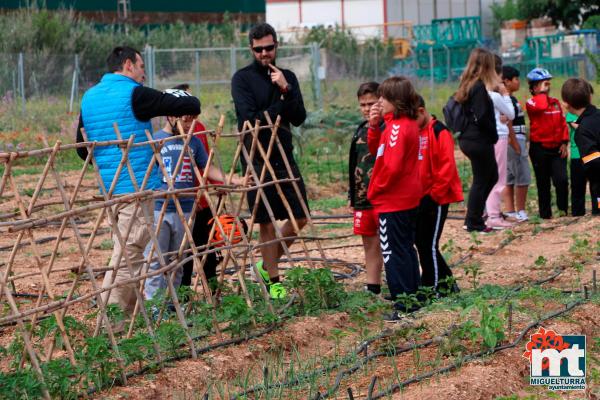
{"x": 502, "y": 107}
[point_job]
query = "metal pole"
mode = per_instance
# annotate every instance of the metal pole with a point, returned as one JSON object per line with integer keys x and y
{"x": 232, "y": 61}
{"x": 197, "y": 66}
{"x": 74, "y": 83}
{"x": 316, "y": 59}
{"x": 431, "y": 75}
{"x": 448, "y": 68}
{"x": 376, "y": 64}
{"x": 21, "y": 78}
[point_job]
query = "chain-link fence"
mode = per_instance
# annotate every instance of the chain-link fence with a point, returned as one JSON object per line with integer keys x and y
{"x": 321, "y": 72}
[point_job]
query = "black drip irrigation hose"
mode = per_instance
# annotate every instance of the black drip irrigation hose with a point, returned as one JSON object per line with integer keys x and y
{"x": 475, "y": 356}
{"x": 363, "y": 348}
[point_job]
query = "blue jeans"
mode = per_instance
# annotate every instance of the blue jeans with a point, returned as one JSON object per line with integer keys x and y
{"x": 169, "y": 238}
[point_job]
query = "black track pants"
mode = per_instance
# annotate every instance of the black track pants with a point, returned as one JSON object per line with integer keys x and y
{"x": 485, "y": 176}
{"x": 397, "y": 240}
{"x": 550, "y": 167}
{"x": 430, "y": 223}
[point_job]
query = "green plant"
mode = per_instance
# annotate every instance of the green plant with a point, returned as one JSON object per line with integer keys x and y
{"x": 97, "y": 366}
{"x": 62, "y": 378}
{"x": 106, "y": 244}
{"x": 540, "y": 261}
{"x": 475, "y": 239}
{"x": 491, "y": 324}
{"x": 472, "y": 271}
{"x": 234, "y": 309}
{"x": 448, "y": 249}
{"x": 138, "y": 348}
{"x": 317, "y": 289}
{"x": 20, "y": 385}
{"x": 170, "y": 337}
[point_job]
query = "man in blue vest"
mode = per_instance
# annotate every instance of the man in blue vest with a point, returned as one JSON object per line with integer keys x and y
{"x": 120, "y": 97}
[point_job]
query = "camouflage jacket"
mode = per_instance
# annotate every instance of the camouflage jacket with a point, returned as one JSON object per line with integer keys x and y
{"x": 360, "y": 165}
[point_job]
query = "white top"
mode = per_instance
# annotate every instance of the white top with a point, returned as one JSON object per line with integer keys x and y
{"x": 502, "y": 106}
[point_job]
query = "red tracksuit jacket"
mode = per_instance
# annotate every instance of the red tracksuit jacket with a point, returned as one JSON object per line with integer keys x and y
{"x": 395, "y": 184}
{"x": 548, "y": 124}
{"x": 437, "y": 166}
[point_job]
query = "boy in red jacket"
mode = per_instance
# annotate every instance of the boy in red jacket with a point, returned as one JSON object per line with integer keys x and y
{"x": 395, "y": 187}
{"x": 441, "y": 186}
{"x": 549, "y": 138}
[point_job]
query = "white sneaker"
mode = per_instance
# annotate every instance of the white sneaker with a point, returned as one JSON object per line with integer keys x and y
{"x": 522, "y": 216}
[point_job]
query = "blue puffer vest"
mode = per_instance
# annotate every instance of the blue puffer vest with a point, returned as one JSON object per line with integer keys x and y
{"x": 103, "y": 105}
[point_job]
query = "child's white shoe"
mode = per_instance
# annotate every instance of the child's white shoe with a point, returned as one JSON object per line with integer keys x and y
{"x": 522, "y": 216}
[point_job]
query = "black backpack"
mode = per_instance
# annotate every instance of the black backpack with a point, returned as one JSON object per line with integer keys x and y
{"x": 457, "y": 116}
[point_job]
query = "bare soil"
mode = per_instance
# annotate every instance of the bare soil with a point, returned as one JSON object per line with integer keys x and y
{"x": 506, "y": 259}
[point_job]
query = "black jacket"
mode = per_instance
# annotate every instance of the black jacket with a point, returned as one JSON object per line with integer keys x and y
{"x": 148, "y": 103}
{"x": 587, "y": 136}
{"x": 482, "y": 125}
{"x": 253, "y": 93}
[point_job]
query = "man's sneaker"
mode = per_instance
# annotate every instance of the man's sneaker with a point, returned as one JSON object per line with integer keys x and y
{"x": 277, "y": 291}
{"x": 522, "y": 216}
{"x": 263, "y": 273}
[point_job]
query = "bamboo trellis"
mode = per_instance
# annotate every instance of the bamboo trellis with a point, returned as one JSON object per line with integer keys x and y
{"x": 62, "y": 199}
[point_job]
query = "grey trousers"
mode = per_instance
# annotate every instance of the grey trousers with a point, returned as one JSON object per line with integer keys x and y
{"x": 169, "y": 237}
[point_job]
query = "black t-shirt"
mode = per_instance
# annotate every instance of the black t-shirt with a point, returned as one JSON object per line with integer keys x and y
{"x": 519, "y": 126}
{"x": 253, "y": 93}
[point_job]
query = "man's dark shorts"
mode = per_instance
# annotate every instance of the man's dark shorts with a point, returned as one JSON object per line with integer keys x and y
{"x": 279, "y": 210}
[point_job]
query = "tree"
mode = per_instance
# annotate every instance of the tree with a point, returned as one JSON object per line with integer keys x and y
{"x": 567, "y": 13}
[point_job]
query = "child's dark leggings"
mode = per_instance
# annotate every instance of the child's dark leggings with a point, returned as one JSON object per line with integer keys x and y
{"x": 485, "y": 176}
{"x": 200, "y": 235}
{"x": 579, "y": 183}
{"x": 592, "y": 171}
{"x": 548, "y": 165}
{"x": 430, "y": 223}
{"x": 397, "y": 240}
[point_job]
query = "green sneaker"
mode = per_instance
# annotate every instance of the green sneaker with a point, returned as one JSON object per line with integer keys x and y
{"x": 263, "y": 273}
{"x": 277, "y": 291}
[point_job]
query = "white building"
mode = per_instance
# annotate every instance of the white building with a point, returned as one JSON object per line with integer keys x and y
{"x": 370, "y": 17}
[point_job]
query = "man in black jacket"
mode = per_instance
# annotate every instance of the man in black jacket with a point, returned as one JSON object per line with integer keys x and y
{"x": 256, "y": 88}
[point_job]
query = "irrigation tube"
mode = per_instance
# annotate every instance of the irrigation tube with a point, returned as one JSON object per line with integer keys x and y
{"x": 363, "y": 348}
{"x": 474, "y": 356}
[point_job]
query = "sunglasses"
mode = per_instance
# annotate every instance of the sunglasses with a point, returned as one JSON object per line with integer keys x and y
{"x": 259, "y": 49}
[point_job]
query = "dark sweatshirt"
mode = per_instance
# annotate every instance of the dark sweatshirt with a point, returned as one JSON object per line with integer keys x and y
{"x": 482, "y": 122}
{"x": 587, "y": 137}
{"x": 253, "y": 93}
{"x": 148, "y": 103}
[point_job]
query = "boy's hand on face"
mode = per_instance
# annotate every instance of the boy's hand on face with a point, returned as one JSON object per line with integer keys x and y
{"x": 375, "y": 115}
{"x": 545, "y": 88}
